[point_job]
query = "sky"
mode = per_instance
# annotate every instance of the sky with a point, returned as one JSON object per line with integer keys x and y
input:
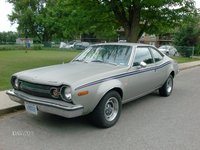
{"x": 6, "y": 8}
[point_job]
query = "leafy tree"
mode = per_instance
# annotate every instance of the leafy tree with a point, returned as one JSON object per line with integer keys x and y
{"x": 27, "y": 13}
{"x": 135, "y": 16}
{"x": 8, "y": 37}
{"x": 72, "y": 18}
{"x": 188, "y": 34}
{"x": 188, "y": 37}
{"x": 151, "y": 16}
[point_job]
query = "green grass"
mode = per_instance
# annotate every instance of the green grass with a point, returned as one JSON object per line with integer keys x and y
{"x": 15, "y": 61}
{"x": 185, "y": 59}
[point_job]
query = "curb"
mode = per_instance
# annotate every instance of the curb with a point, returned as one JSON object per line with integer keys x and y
{"x": 11, "y": 109}
{"x": 189, "y": 67}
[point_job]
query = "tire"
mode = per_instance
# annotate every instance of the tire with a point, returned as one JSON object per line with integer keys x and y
{"x": 108, "y": 111}
{"x": 167, "y": 88}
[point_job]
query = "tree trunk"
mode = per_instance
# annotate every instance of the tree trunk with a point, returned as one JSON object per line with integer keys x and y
{"x": 131, "y": 21}
{"x": 132, "y": 34}
{"x": 47, "y": 39}
{"x": 133, "y": 31}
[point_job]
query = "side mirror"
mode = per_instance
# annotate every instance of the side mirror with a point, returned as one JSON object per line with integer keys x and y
{"x": 142, "y": 65}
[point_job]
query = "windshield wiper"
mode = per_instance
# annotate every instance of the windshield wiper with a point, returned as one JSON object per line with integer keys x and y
{"x": 100, "y": 61}
{"x": 80, "y": 60}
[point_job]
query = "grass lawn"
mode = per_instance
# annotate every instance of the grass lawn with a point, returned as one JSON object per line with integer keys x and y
{"x": 185, "y": 59}
{"x": 14, "y": 61}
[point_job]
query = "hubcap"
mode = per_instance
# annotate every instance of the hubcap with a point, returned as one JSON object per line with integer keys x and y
{"x": 111, "y": 109}
{"x": 169, "y": 85}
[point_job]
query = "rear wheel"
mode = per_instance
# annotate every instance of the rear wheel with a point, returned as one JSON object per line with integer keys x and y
{"x": 108, "y": 111}
{"x": 167, "y": 88}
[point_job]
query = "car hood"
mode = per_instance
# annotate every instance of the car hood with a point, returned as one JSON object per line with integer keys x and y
{"x": 70, "y": 73}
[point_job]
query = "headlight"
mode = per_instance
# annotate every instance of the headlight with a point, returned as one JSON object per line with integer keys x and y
{"x": 66, "y": 93}
{"x": 15, "y": 82}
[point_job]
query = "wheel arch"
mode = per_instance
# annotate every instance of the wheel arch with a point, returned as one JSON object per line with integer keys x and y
{"x": 106, "y": 87}
{"x": 172, "y": 74}
{"x": 118, "y": 90}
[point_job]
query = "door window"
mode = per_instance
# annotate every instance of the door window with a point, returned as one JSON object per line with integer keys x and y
{"x": 157, "y": 55}
{"x": 143, "y": 54}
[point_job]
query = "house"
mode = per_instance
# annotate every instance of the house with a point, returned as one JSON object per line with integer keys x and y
{"x": 165, "y": 39}
{"x": 23, "y": 41}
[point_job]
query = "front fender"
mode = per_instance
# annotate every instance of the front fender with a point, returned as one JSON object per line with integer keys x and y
{"x": 96, "y": 92}
{"x": 107, "y": 86}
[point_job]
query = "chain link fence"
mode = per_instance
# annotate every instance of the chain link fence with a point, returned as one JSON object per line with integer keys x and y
{"x": 185, "y": 51}
{"x": 188, "y": 51}
{"x": 23, "y": 46}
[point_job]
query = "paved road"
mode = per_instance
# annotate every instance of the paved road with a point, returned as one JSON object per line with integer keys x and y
{"x": 150, "y": 123}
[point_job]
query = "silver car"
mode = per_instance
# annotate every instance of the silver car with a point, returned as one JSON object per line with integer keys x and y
{"x": 168, "y": 50}
{"x": 97, "y": 82}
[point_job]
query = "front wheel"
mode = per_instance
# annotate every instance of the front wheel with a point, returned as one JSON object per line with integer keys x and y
{"x": 167, "y": 88}
{"x": 107, "y": 112}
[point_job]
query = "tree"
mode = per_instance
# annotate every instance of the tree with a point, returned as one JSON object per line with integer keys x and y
{"x": 8, "y": 37}
{"x": 188, "y": 34}
{"x": 72, "y": 18}
{"x": 75, "y": 18}
{"x": 135, "y": 16}
{"x": 139, "y": 16}
{"x": 27, "y": 14}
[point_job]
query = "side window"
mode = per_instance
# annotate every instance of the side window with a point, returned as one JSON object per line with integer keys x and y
{"x": 157, "y": 55}
{"x": 142, "y": 54}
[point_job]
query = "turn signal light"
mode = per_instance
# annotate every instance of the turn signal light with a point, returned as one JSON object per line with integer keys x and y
{"x": 82, "y": 93}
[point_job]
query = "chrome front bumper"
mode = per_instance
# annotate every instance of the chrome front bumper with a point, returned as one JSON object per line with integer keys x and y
{"x": 52, "y": 106}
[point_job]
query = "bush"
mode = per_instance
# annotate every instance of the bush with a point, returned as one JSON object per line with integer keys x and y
{"x": 37, "y": 47}
{"x": 185, "y": 51}
{"x": 12, "y": 47}
{"x": 19, "y": 47}
{"x": 197, "y": 50}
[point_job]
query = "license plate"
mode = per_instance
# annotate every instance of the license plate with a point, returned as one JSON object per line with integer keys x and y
{"x": 31, "y": 108}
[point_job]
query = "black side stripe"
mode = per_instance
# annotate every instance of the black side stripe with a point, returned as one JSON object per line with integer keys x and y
{"x": 123, "y": 75}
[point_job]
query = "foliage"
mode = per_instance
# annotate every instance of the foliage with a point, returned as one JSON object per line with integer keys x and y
{"x": 8, "y": 37}
{"x": 47, "y": 19}
{"x": 27, "y": 14}
{"x": 11, "y": 47}
{"x": 188, "y": 35}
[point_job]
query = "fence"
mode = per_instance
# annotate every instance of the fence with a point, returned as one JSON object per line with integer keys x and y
{"x": 35, "y": 46}
{"x": 187, "y": 51}
{"x": 184, "y": 51}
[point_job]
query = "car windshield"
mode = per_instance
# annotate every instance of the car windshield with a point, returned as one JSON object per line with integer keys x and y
{"x": 110, "y": 54}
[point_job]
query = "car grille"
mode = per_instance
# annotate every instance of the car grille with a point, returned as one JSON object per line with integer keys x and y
{"x": 36, "y": 89}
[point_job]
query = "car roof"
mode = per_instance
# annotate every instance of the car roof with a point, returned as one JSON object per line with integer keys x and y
{"x": 166, "y": 46}
{"x": 125, "y": 44}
